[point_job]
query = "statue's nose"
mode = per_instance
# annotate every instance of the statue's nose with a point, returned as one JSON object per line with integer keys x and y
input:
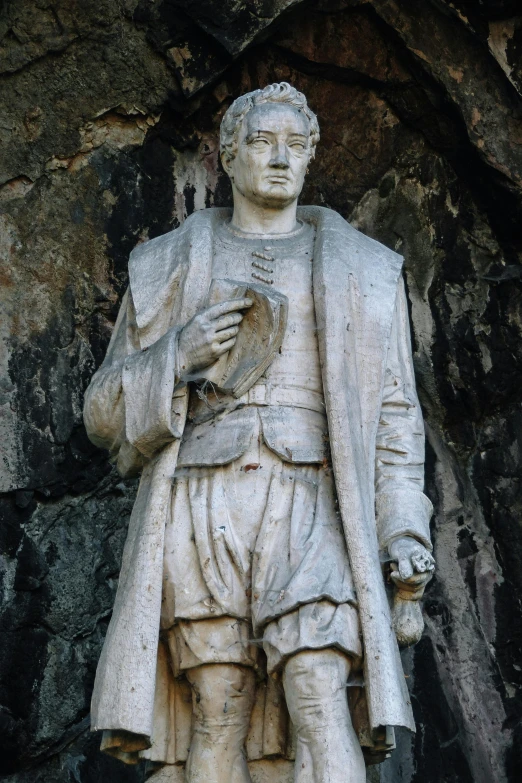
{"x": 279, "y": 159}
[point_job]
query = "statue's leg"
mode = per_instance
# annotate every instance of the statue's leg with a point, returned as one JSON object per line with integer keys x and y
{"x": 223, "y": 695}
{"x": 328, "y": 750}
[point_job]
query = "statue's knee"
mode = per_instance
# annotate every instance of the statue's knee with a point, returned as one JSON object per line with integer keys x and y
{"x": 223, "y": 693}
{"x": 315, "y": 690}
{"x": 317, "y": 673}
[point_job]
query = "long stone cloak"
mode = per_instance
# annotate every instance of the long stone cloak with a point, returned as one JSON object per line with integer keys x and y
{"x": 135, "y": 407}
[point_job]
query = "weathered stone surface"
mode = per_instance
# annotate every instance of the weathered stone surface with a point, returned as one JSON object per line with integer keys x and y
{"x": 234, "y": 24}
{"x": 102, "y": 146}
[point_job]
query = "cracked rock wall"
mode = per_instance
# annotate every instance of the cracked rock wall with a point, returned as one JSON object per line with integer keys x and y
{"x": 108, "y": 136}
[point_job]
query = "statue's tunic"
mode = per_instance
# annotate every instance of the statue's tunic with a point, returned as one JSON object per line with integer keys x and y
{"x": 255, "y": 531}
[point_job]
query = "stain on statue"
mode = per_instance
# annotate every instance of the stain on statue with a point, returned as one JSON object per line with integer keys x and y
{"x": 260, "y": 379}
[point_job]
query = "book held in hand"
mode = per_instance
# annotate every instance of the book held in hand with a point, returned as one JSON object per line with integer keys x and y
{"x": 259, "y": 338}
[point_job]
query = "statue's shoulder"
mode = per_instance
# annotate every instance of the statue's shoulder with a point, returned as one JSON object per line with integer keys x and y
{"x": 157, "y": 266}
{"x": 153, "y": 264}
{"x": 152, "y": 247}
{"x": 166, "y": 245}
{"x": 345, "y": 235}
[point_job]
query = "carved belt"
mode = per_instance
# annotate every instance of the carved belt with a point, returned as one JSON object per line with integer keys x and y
{"x": 292, "y": 396}
{"x": 208, "y": 403}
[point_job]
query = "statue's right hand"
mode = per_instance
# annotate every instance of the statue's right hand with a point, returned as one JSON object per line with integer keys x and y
{"x": 211, "y": 333}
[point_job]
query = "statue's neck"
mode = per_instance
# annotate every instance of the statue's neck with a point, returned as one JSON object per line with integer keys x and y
{"x": 254, "y": 219}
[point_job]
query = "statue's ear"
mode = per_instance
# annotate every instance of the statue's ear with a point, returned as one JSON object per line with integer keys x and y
{"x": 226, "y": 163}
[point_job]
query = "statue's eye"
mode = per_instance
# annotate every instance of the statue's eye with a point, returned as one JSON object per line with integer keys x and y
{"x": 297, "y": 145}
{"x": 260, "y": 142}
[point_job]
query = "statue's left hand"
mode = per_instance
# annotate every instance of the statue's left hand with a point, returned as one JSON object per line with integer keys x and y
{"x": 411, "y": 557}
{"x": 412, "y": 569}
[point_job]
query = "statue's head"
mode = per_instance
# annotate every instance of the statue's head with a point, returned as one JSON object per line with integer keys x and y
{"x": 267, "y": 139}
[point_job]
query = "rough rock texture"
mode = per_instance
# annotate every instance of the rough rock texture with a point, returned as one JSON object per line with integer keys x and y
{"x": 108, "y": 136}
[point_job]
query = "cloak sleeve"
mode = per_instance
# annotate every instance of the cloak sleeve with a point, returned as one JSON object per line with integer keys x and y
{"x": 129, "y": 403}
{"x": 401, "y": 506}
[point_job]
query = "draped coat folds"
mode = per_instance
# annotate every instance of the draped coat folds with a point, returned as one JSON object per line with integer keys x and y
{"x": 136, "y": 407}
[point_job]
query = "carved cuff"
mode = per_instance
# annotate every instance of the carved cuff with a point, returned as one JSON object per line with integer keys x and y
{"x": 149, "y": 378}
{"x": 403, "y": 512}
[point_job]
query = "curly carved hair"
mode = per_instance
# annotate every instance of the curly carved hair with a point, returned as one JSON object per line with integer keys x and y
{"x": 273, "y": 93}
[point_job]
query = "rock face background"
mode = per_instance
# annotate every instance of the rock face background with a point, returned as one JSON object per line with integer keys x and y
{"x": 108, "y": 136}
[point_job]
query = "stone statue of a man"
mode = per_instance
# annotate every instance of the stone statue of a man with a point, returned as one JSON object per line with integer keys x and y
{"x": 253, "y": 559}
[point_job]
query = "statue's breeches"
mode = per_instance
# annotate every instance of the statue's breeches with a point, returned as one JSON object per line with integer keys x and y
{"x": 255, "y": 552}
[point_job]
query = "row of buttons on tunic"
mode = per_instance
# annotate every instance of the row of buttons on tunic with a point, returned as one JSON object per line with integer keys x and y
{"x": 263, "y": 267}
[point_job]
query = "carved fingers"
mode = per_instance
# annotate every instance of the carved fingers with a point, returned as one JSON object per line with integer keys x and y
{"x": 411, "y": 557}
{"x": 226, "y": 334}
{"x": 405, "y": 567}
{"x": 226, "y": 321}
{"x": 422, "y": 560}
{"x": 223, "y": 308}
{"x": 210, "y": 334}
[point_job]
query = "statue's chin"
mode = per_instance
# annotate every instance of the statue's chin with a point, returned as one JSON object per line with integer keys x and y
{"x": 275, "y": 198}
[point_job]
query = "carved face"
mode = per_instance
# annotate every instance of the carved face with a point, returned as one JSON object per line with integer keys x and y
{"x": 272, "y": 156}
